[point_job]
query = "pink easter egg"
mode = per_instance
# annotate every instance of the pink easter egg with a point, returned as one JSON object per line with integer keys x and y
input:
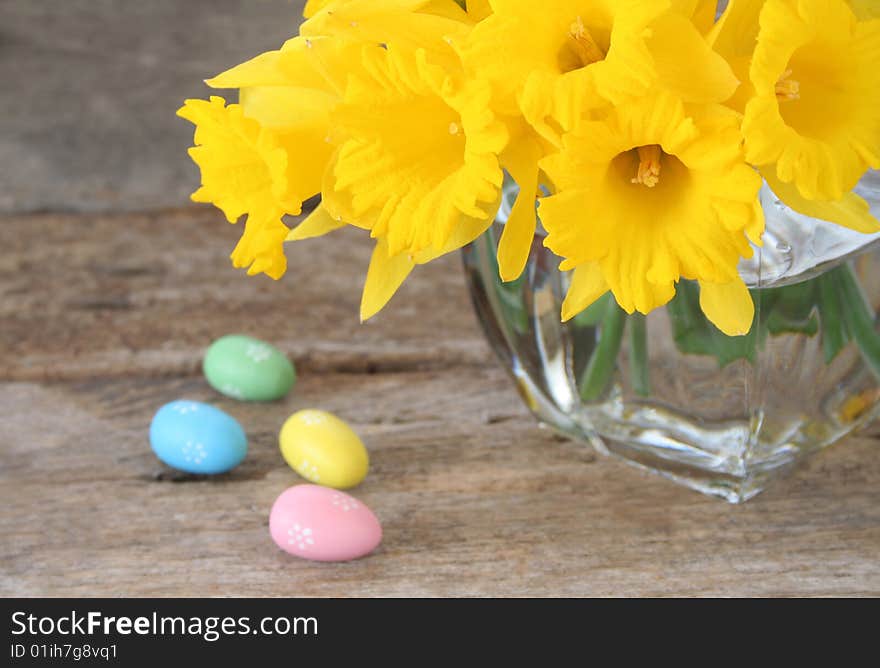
{"x": 323, "y": 524}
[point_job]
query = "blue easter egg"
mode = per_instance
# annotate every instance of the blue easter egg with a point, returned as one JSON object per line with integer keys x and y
{"x": 197, "y": 438}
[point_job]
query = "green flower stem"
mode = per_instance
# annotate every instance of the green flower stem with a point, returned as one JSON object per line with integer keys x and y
{"x": 834, "y": 334}
{"x": 859, "y": 318}
{"x": 600, "y": 370}
{"x": 638, "y": 355}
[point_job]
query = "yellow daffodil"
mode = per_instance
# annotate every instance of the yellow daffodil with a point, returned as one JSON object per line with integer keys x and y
{"x": 266, "y": 155}
{"x": 651, "y": 194}
{"x": 735, "y": 36}
{"x": 814, "y": 119}
{"x": 244, "y": 171}
{"x": 260, "y": 248}
{"x": 432, "y": 25}
{"x": 244, "y": 168}
{"x": 547, "y": 60}
{"x": 650, "y": 122}
{"x": 293, "y": 92}
{"x": 554, "y": 65}
{"x": 419, "y": 167}
{"x": 421, "y": 152}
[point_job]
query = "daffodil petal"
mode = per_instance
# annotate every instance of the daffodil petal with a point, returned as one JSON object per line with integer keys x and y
{"x": 312, "y": 7}
{"x": 385, "y": 275}
{"x": 318, "y": 223}
{"x": 262, "y": 70}
{"x": 225, "y": 138}
{"x": 466, "y": 231}
{"x": 851, "y": 212}
{"x": 300, "y": 120}
{"x": 288, "y": 108}
{"x": 261, "y": 247}
{"x": 686, "y": 64}
{"x": 316, "y": 63}
{"x": 736, "y": 32}
{"x": 587, "y": 285}
{"x": 728, "y": 306}
{"x": 401, "y": 23}
{"x": 521, "y": 160}
{"x": 703, "y": 15}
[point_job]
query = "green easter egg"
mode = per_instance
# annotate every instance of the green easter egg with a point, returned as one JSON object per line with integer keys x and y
{"x": 248, "y": 369}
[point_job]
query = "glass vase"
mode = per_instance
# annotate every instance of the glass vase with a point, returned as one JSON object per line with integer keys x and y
{"x": 670, "y": 393}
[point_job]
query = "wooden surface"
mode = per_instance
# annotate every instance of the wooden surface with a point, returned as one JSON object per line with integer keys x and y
{"x": 104, "y": 319}
{"x": 90, "y": 88}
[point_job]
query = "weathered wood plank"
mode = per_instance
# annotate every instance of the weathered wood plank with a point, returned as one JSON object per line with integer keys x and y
{"x": 90, "y": 88}
{"x": 475, "y": 500}
{"x": 85, "y": 296}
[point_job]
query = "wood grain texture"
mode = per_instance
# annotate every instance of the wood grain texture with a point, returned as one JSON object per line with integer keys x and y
{"x": 105, "y": 318}
{"x": 90, "y": 88}
{"x": 117, "y": 295}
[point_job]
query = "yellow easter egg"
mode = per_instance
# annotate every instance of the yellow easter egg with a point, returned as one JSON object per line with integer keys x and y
{"x": 323, "y": 449}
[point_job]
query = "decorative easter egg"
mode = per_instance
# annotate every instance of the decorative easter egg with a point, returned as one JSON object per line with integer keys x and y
{"x": 248, "y": 369}
{"x": 323, "y": 524}
{"x": 197, "y": 438}
{"x": 323, "y": 449}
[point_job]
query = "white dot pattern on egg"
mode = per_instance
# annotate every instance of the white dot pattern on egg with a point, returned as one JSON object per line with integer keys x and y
{"x": 313, "y": 418}
{"x": 300, "y": 536}
{"x": 344, "y": 503}
{"x": 323, "y": 524}
{"x": 258, "y": 352}
{"x": 231, "y": 390}
{"x": 309, "y": 471}
{"x": 195, "y": 452}
{"x": 184, "y": 407}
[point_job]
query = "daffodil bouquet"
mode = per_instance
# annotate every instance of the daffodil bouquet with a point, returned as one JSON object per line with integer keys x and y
{"x": 643, "y": 130}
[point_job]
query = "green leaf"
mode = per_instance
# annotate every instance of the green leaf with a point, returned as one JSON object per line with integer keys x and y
{"x": 790, "y": 310}
{"x": 793, "y": 302}
{"x": 600, "y": 370}
{"x": 638, "y": 355}
{"x": 778, "y": 323}
{"x": 859, "y": 317}
{"x": 835, "y": 336}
